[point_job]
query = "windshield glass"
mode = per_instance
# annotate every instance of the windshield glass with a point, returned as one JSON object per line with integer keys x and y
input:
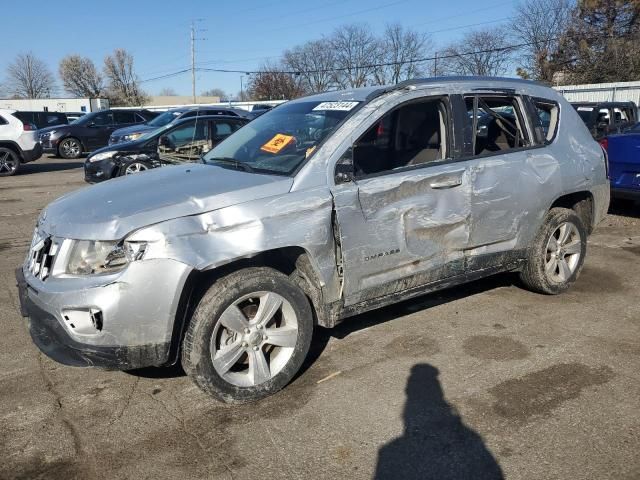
{"x": 154, "y": 132}
{"x": 164, "y": 118}
{"x": 281, "y": 139}
{"x": 88, "y": 118}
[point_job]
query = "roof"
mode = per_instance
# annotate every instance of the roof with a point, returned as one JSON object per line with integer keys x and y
{"x": 367, "y": 93}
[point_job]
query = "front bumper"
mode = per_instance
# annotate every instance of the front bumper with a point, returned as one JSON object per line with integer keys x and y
{"x": 138, "y": 310}
{"x": 32, "y": 155}
{"x": 95, "y": 172}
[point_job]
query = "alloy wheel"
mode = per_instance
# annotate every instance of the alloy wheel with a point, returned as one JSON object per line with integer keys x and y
{"x": 135, "y": 167}
{"x": 254, "y": 339}
{"x": 8, "y": 162}
{"x": 70, "y": 148}
{"x": 563, "y": 252}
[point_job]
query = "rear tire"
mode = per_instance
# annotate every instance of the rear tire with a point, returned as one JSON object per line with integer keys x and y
{"x": 70, "y": 148}
{"x": 248, "y": 336}
{"x": 9, "y": 162}
{"x": 557, "y": 254}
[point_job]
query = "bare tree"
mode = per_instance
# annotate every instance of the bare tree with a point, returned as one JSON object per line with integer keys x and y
{"x": 123, "y": 86}
{"x": 80, "y": 77}
{"x": 399, "y": 48}
{"x": 272, "y": 83}
{"x": 540, "y": 24}
{"x": 29, "y": 77}
{"x": 480, "y": 52}
{"x": 167, "y": 92}
{"x": 355, "y": 49}
{"x": 215, "y": 92}
{"x": 315, "y": 61}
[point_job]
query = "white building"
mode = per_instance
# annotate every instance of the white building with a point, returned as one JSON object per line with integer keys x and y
{"x": 84, "y": 105}
{"x": 602, "y": 92}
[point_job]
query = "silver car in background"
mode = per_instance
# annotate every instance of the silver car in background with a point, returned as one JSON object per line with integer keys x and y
{"x": 322, "y": 208}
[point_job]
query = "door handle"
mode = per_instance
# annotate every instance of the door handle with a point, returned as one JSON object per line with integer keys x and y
{"x": 446, "y": 183}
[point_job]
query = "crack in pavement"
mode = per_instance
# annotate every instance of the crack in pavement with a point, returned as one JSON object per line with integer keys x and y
{"x": 64, "y": 419}
{"x": 126, "y": 403}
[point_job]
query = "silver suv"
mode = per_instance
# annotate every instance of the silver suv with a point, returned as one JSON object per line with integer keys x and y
{"x": 325, "y": 207}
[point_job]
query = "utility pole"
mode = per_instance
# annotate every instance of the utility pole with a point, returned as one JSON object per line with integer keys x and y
{"x": 435, "y": 65}
{"x": 193, "y": 56}
{"x": 193, "y": 61}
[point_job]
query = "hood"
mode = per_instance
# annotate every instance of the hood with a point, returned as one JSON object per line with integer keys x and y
{"x": 113, "y": 209}
{"x": 132, "y": 129}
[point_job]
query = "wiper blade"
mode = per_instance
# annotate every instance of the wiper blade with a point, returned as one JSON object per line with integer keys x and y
{"x": 233, "y": 162}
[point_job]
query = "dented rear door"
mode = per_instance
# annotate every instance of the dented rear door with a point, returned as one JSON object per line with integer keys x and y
{"x": 403, "y": 229}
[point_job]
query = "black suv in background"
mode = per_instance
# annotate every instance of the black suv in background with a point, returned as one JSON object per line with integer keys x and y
{"x": 129, "y": 134}
{"x": 184, "y": 140}
{"x": 42, "y": 119}
{"x": 607, "y": 118}
{"x": 90, "y": 132}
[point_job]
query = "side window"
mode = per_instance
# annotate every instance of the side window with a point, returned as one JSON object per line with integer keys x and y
{"x": 498, "y": 124}
{"x": 620, "y": 116}
{"x": 190, "y": 114}
{"x": 412, "y": 134}
{"x": 223, "y": 130}
{"x": 140, "y": 118}
{"x": 548, "y": 115}
{"x": 122, "y": 117}
{"x": 3, "y": 121}
{"x": 185, "y": 143}
{"x": 102, "y": 119}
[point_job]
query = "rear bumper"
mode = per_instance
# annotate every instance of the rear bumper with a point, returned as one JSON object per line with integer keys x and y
{"x": 626, "y": 193}
{"x": 32, "y": 155}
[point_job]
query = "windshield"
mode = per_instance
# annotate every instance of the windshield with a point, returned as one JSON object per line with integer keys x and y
{"x": 164, "y": 118}
{"x": 281, "y": 139}
{"x": 155, "y": 132}
{"x": 88, "y": 118}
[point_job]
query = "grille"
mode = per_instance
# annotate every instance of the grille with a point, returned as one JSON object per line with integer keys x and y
{"x": 41, "y": 256}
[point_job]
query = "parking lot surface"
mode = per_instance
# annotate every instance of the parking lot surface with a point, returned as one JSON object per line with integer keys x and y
{"x": 484, "y": 381}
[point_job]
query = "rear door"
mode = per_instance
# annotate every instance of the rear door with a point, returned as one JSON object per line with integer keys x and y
{"x": 403, "y": 217}
{"x": 507, "y": 172}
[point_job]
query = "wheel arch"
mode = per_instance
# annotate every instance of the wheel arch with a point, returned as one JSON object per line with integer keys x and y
{"x": 293, "y": 261}
{"x": 582, "y": 203}
{"x": 10, "y": 144}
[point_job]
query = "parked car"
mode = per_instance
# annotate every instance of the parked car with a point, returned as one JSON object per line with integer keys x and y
{"x": 72, "y": 116}
{"x": 18, "y": 143}
{"x": 322, "y": 208}
{"x": 606, "y": 118}
{"x": 90, "y": 132}
{"x": 42, "y": 119}
{"x": 184, "y": 140}
{"x": 623, "y": 151}
{"x": 132, "y": 133}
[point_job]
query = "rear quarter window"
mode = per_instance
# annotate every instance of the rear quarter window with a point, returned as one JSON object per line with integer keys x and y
{"x": 546, "y": 120}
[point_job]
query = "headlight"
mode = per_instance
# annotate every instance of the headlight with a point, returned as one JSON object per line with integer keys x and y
{"x": 131, "y": 136}
{"x": 89, "y": 257}
{"x": 101, "y": 156}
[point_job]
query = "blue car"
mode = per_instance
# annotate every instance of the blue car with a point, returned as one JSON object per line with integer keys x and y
{"x": 624, "y": 164}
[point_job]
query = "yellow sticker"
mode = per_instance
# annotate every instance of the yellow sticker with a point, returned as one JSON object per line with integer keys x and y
{"x": 310, "y": 150}
{"x": 277, "y": 143}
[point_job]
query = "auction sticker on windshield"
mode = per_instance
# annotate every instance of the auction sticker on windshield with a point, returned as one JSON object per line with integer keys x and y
{"x": 277, "y": 143}
{"x": 340, "y": 106}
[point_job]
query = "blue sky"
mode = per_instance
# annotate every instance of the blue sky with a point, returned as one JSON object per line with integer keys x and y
{"x": 237, "y": 34}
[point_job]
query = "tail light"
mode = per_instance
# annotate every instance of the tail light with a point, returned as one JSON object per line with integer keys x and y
{"x": 604, "y": 143}
{"x": 28, "y": 127}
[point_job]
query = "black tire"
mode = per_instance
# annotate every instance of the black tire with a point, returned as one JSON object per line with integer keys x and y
{"x": 225, "y": 292}
{"x": 9, "y": 162}
{"x": 552, "y": 281}
{"x": 70, "y": 148}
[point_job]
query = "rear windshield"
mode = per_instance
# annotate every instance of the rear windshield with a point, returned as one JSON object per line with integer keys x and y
{"x": 280, "y": 140}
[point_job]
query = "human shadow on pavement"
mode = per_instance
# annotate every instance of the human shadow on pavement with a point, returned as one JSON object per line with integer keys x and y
{"x": 436, "y": 444}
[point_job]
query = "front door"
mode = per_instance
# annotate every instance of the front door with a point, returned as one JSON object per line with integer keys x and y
{"x": 185, "y": 143}
{"x": 403, "y": 220}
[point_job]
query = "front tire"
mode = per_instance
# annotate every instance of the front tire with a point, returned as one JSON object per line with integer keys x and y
{"x": 248, "y": 336}
{"x": 9, "y": 162}
{"x": 557, "y": 254}
{"x": 136, "y": 167}
{"x": 70, "y": 148}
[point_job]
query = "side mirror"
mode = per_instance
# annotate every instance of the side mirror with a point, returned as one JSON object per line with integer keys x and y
{"x": 92, "y": 125}
{"x": 344, "y": 168}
